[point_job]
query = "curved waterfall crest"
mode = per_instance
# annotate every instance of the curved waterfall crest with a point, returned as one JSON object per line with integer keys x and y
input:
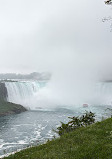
{"x": 36, "y": 95}
{"x": 22, "y": 92}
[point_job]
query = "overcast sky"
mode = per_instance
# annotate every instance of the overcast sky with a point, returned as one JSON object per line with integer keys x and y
{"x": 49, "y": 35}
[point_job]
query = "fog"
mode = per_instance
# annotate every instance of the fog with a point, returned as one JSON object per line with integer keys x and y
{"x": 66, "y": 38}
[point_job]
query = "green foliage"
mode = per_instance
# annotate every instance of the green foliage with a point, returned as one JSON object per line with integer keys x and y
{"x": 87, "y": 119}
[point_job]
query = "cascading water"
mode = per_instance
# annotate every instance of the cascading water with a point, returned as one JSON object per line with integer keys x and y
{"x": 23, "y": 92}
{"x": 35, "y": 95}
{"x": 103, "y": 93}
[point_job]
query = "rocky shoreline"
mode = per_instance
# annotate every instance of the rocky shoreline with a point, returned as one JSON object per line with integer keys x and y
{"x": 7, "y": 108}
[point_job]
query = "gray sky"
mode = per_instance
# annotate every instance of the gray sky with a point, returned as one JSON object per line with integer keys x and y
{"x": 53, "y": 35}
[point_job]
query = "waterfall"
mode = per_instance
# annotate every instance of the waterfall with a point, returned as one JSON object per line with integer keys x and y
{"x": 103, "y": 93}
{"x": 23, "y": 92}
{"x": 36, "y": 95}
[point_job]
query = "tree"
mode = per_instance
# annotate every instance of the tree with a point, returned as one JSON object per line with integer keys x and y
{"x": 108, "y": 2}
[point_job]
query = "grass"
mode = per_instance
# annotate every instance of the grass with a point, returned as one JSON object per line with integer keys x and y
{"x": 92, "y": 142}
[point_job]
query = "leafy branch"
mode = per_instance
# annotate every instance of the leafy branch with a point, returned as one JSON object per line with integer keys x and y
{"x": 76, "y": 122}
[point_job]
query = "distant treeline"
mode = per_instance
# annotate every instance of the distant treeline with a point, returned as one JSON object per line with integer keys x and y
{"x": 34, "y": 76}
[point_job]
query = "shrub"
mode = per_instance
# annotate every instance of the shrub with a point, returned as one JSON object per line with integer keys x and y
{"x": 87, "y": 119}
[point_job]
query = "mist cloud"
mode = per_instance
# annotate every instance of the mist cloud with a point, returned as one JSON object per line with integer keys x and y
{"x": 64, "y": 37}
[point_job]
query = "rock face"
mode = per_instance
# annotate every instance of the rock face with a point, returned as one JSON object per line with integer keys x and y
{"x": 3, "y": 91}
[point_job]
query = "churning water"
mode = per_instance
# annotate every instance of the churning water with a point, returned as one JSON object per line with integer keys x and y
{"x": 28, "y": 128}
